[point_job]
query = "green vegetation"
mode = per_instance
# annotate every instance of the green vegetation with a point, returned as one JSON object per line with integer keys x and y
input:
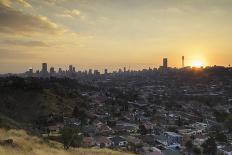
{"x": 70, "y": 137}
{"x": 26, "y": 100}
{"x": 209, "y": 146}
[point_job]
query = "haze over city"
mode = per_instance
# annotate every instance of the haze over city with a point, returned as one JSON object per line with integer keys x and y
{"x": 112, "y": 34}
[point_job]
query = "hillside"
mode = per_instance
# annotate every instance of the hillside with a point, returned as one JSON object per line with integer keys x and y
{"x": 25, "y": 100}
{"x": 24, "y": 144}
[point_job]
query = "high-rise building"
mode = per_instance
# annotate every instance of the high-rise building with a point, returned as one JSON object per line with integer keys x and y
{"x": 106, "y": 71}
{"x": 44, "y": 71}
{"x": 90, "y": 71}
{"x": 52, "y": 70}
{"x": 96, "y": 72}
{"x": 124, "y": 69}
{"x": 60, "y": 70}
{"x": 30, "y": 70}
{"x": 120, "y": 70}
{"x": 70, "y": 68}
{"x": 165, "y": 62}
{"x": 182, "y": 61}
{"x": 44, "y": 68}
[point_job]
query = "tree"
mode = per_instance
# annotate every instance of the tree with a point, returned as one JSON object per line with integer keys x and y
{"x": 70, "y": 137}
{"x": 196, "y": 151}
{"x": 228, "y": 123}
{"x": 76, "y": 112}
{"x": 209, "y": 146}
{"x": 81, "y": 114}
{"x": 221, "y": 137}
{"x": 142, "y": 129}
{"x": 189, "y": 146}
{"x": 179, "y": 121}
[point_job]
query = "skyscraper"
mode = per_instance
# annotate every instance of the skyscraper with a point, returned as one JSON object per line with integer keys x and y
{"x": 90, "y": 71}
{"x": 182, "y": 61}
{"x": 70, "y": 68}
{"x": 44, "y": 71}
{"x": 44, "y": 68}
{"x": 165, "y": 62}
{"x": 106, "y": 71}
{"x": 52, "y": 70}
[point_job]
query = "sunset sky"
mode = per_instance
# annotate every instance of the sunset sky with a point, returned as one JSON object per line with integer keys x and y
{"x": 112, "y": 34}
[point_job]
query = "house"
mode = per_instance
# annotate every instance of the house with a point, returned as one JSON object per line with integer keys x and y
{"x": 173, "y": 138}
{"x": 55, "y": 129}
{"x": 227, "y": 150}
{"x": 170, "y": 140}
{"x": 118, "y": 141}
{"x": 103, "y": 129}
{"x": 171, "y": 152}
{"x": 151, "y": 151}
{"x": 72, "y": 122}
{"x": 125, "y": 127}
{"x": 102, "y": 141}
{"x": 133, "y": 140}
{"x": 88, "y": 141}
{"x": 200, "y": 126}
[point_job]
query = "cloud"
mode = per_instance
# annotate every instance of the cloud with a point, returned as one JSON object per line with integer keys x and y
{"x": 9, "y": 2}
{"x": 6, "y": 54}
{"x": 25, "y": 43}
{"x": 71, "y": 13}
{"x": 16, "y": 22}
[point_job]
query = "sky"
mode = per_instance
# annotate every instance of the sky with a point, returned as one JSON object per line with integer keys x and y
{"x": 112, "y": 34}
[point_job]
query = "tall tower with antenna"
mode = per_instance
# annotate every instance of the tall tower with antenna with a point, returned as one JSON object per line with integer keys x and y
{"x": 182, "y": 61}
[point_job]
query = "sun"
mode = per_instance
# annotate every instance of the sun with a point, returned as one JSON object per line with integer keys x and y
{"x": 197, "y": 63}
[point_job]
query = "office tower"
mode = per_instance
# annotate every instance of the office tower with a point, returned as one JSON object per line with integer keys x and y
{"x": 70, "y": 68}
{"x": 74, "y": 69}
{"x": 44, "y": 68}
{"x": 52, "y": 70}
{"x": 30, "y": 70}
{"x": 165, "y": 62}
{"x": 60, "y": 71}
{"x": 44, "y": 71}
{"x": 182, "y": 61}
{"x": 96, "y": 72}
{"x": 106, "y": 71}
{"x": 120, "y": 70}
{"x": 124, "y": 69}
{"x": 90, "y": 71}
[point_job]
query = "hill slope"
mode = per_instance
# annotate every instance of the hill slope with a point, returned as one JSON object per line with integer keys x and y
{"x": 25, "y": 100}
{"x": 24, "y": 144}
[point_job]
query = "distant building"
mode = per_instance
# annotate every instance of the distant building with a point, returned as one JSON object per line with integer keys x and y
{"x": 120, "y": 70}
{"x": 165, "y": 62}
{"x": 44, "y": 68}
{"x": 60, "y": 71}
{"x": 31, "y": 70}
{"x": 70, "y": 68}
{"x": 106, "y": 71}
{"x": 96, "y": 72}
{"x": 29, "y": 73}
{"x": 44, "y": 71}
{"x": 90, "y": 71}
{"x": 52, "y": 71}
{"x": 182, "y": 61}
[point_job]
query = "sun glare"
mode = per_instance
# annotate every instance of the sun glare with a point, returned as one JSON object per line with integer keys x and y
{"x": 197, "y": 63}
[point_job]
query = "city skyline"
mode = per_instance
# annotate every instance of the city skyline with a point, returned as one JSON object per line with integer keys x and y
{"x": 114, "y": 34}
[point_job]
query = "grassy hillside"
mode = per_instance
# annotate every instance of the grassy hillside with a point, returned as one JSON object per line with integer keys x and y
{"x": 24, "y": 144}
